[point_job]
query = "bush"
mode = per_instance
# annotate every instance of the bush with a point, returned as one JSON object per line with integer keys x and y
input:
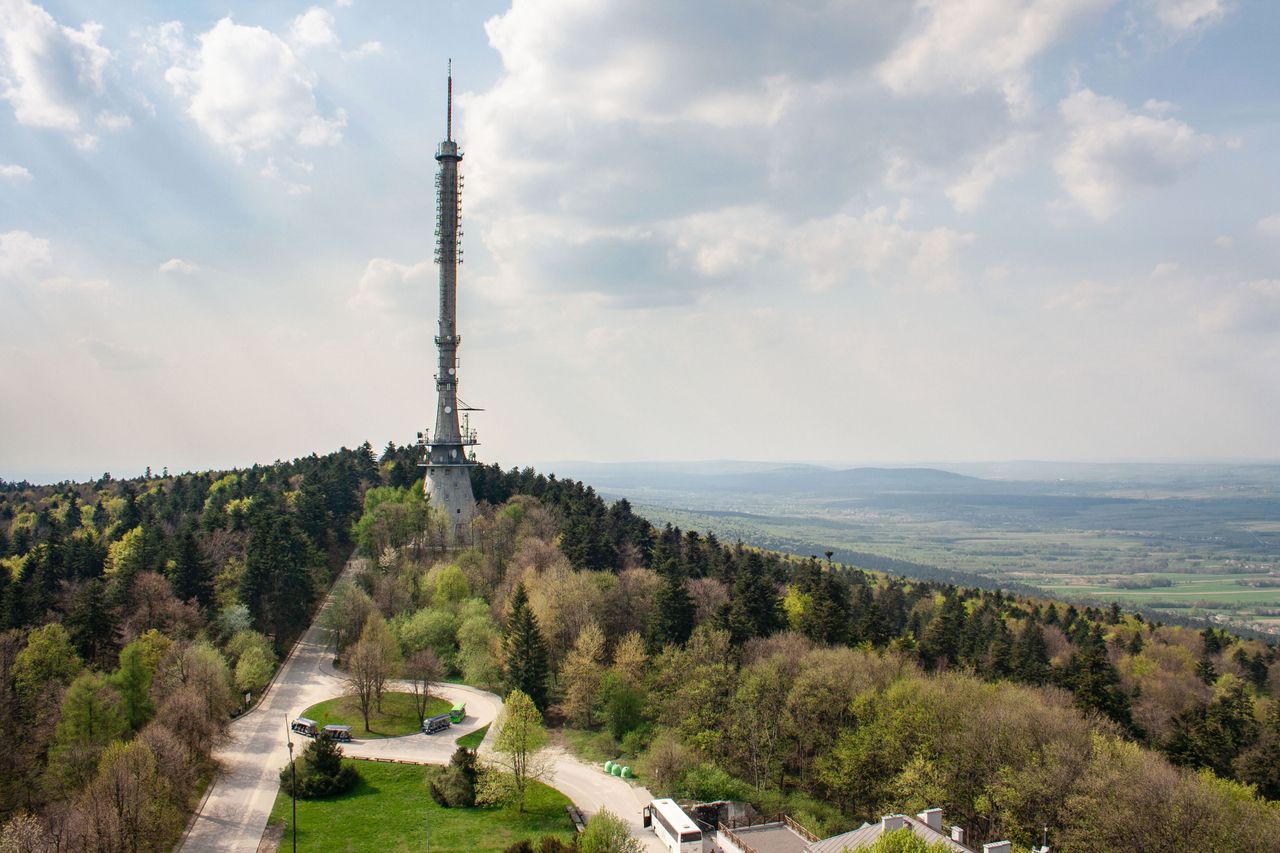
{"x": 455, "y": 786}
{"x": 623, "y": 706}
{"x": 708, "y": 783}
{"x": 607, "y": 833}
{"x": 320, "y": 771}
{"x": 548, "y": 844}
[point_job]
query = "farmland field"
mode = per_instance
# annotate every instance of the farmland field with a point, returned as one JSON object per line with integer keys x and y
{"x": 1207, "y": 531}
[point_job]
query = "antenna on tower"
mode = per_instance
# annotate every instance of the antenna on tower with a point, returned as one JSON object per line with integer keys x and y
{"x": 448, "y": 134}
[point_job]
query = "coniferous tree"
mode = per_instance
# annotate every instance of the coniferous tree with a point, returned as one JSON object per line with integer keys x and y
{"x": 941, "y": 641}
{"x": 755, "y": 608}
{"x": 675, "y": 613}
{"x": 1212, "y": 734}
{"x": 192, "y": 578}
{"x": 1030, "y": 657}
{"x": 997, "y": 662}
{"x": 1096, "y": 682}
{"x": 526, "y": 651}
{"x": 1260, "y": 764}
{"x": 1206, "y": 671}
{"x": 90, "y": 621}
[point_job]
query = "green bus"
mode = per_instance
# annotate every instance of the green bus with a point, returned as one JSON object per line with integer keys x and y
{"x": 458, "y": 712}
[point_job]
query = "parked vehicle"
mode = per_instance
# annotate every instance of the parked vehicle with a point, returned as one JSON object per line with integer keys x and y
{"x": 339, "y": 733}
{"x": 440, "y": 722}
{"x": 458, "y": 712}
{"x": 675, "y": 829}
{"x": 303, "y": 726}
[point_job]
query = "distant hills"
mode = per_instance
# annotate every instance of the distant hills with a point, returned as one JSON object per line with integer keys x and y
{"x": 769, "y": 478}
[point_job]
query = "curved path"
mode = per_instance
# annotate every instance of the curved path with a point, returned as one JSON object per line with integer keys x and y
{"x": 234, "y": 812}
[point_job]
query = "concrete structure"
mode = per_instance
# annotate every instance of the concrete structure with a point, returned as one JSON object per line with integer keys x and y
{"x": 927, "y": 826}
{"x": 447, "y": 457}
{"x": 787, "y": 836}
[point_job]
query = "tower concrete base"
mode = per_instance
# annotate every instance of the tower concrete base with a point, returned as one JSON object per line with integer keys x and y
{"x": 448, "y": 487}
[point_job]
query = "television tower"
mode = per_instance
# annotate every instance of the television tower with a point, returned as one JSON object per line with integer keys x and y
{"x": 446, "y": 451}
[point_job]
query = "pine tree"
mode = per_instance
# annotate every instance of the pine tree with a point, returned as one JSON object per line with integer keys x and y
{"x": 941, "y": 641}
{"x": 526, "y": 651}
{"x": 1206, "y": 671}
{"x": 755, "y": 608}
{"x": 1096, "y": 682}
{"x": 192, "y": 578}
{"x": 674, "y": 615}
{"x": 1030, "y": 658}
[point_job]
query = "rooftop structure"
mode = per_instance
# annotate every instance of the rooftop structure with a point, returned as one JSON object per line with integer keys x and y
{"x": 447, "y": 455}
{"x": 784, "y": 835}
{"x": 927, "y": 826}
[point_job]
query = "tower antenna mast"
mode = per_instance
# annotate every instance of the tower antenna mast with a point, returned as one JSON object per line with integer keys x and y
{"x": 447, "y": 453}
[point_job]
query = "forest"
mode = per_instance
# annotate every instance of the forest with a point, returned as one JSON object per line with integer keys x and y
{"x": 137, "y": 616}
{"x": 830, "y": 692}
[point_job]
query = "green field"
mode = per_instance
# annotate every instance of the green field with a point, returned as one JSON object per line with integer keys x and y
{"x": 398, "y": 715}
{"x": 391, "y": 810}
{"x": 1208, "y": 558}
{"x": 472, "y": 741}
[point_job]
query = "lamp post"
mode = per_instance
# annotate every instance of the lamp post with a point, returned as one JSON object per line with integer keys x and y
{"x": 293, "y": 787}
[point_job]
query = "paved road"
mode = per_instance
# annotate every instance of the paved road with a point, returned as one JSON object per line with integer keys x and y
{"x": 234, "y": 814}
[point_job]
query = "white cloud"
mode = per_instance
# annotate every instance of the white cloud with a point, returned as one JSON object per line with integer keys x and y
{"x": 114, "y": 122}
{"x": 369, "y": 48}
{"x": 14, "y": 172}
{"x": 313, "y": 28}
{"x": 1083, "y": 296}
{"x": 1225, "y": 242}
{"x": 51, "y": 72}
{"x": 1251, "y": 307}
{"x": 27, "y": 260}
{"x": 177, "y": 266}
{"x": 969, "y": 45}
{"x": 1269, "y": 225}
{"x": 273, "y": 172}
{"x": 997, "y": 163}
{"x": 247, "y": 91}
{"x": 1183, "y": 16}
{"x": 1111, "y": 151}
{"x": 388, "y": 286}
{"x": 22, "y": 255}
{"x": 112, "y": 356}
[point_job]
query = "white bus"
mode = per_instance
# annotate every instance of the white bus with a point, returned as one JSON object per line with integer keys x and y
{"x": 675, "y": 829}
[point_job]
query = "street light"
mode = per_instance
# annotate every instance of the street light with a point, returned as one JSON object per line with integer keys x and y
{"x": 293, "y": 787}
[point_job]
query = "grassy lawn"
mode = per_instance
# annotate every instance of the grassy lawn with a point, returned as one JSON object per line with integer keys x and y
{"x": 472, "y": 741}
{"x": 388, "y": 810}
{"x": 595, "y": 747}
{"x": 398, "y": 715}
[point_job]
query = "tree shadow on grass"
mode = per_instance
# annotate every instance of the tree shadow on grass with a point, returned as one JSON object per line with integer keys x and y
{"x": 362, "y": 789}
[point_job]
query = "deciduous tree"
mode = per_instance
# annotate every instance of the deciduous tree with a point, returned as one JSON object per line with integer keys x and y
{"x": 520, "y": 737}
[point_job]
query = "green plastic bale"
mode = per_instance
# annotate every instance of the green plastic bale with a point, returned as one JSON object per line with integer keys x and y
{"x": 626, "y": 772}
{"x": 608, "y": 767}
{"x": 617, "y": 770}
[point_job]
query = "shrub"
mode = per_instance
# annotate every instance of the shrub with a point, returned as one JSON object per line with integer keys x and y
{"x": 320, "y": 771}
{"x": 709, "y": 783}
{"x": 455, "y": 786}
{"x": 607, "y": 833}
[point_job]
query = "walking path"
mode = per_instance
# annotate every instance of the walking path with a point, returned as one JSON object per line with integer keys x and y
{"x": 234, "y": 813}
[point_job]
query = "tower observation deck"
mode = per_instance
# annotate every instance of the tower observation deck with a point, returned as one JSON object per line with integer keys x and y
{"x": 447, "y": 453}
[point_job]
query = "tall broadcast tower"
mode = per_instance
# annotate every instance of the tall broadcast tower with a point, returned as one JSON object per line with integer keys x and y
{"x": 446, "y": 451}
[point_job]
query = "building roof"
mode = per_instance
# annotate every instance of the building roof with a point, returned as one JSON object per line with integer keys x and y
{"x": 772, "y": 838}
{"x": 866, "y": 835}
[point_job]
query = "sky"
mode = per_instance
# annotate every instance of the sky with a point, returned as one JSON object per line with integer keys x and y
{"x": 869, "y": 230}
